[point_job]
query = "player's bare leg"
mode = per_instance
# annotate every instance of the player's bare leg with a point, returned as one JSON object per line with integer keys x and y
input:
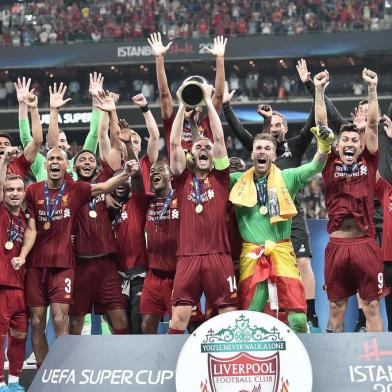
{"x": 374, "y": 321}
{"x": 60, "y": 318}
{"x": 337, "y": 310}
{"x": 38, "y": 337}
{"x": 180, "y": 318}
{"x": 150, "y": 324}
{"x": 228, "y": 309}
{"x": 119, "y": 321}
{"x": 76, "y": 325}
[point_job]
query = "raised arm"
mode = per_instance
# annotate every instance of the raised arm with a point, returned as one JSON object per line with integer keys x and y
{"x": 177, "y": 154}
{"x": 91, "y": 141}
{"x": 371, "y": 130}
{"x": 265, "y": 111}
{"x": 321, "y": 81}
{"x": 219, "y": 52}
{"x": 22, "y": 88}
{"x": 130, "y": 168}
{"x": 152, "y": 127}
{"x": 28, "y": 242}
{"x": 159, "y": 51}
{"x": 103, "y": 137}
{"x": 31, "y": 150}
{"x": 137, "y": 185}
{"x": 219, "y": 147}
{"x": 107, "y": 105}
{"x": 335, "y": 118}
{"x": 9, "y": 153}
{"x": 245, "y": 137}
{"x": 56, "y": 102}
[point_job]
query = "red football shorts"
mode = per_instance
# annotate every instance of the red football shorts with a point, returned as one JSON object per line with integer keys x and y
{"x": 45, "y": 286}
{"x": 157, "y": 293}
{"x": 351, "y": 265}
{"x": 98, "y": 285}
{"x": 212, "y": 274}
{"x": 13, "y": 310}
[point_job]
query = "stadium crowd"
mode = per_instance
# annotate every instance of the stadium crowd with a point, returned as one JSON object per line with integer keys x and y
{"x": 66, "y": 21}
{"x": 135, "y": 237}
{"x": 250, "y": 86}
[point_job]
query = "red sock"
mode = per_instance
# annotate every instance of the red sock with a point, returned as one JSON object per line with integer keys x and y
{"x": 16, "y": 353}
{"x": 120, "y": 331}
{"x": 2, "y": 358}
{"x": 173, "y": 331}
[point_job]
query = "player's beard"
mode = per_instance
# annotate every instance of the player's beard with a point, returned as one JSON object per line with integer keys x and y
{"x": 82, "y": 177}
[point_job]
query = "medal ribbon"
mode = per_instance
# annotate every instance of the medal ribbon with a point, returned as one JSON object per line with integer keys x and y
{"x": 49, "y": 212}
{"x": 166, "y": 205}
{"x": 93, "y": 204}
{"x": 262, "y": 191}
{"x": 196, "y": 185}
{"x": 14, "y": 235}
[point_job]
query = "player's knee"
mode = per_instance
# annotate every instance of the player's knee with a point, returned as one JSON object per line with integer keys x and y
{"x": 59, "y": 319}
{"x": 38, "y": 322}
{"x": 298, "y": 322}
{"x": 371, "y": 308}
{"x": 337, "y": 307}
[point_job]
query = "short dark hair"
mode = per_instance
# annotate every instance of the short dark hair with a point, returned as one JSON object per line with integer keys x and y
{"x": 6, "y": 136}
{"x": 363, "y": 102}
{"x": 81, "y": 152}
{"x": 349, "y": 128}
{"x": 275, "y": 113}
{"x": 265, "y": 136}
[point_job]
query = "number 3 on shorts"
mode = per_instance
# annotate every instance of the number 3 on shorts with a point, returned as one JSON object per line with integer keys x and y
{"x": 67, "y": 288}
{"x": 232, "y": 284}
{"x": 380, "y": 279}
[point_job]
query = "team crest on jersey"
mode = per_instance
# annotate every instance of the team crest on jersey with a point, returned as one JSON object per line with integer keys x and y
{"x": 64, "y": 200}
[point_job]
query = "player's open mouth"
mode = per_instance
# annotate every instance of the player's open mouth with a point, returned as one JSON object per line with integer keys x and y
{"x": 349, "y": 153}
{"x": 203, "y": 156}
{"x": 261, "y": 161}
{"x": 87, "y": 169}
{"x": 55, "y": 168}
{"x": 2, "y": 153}
{"x": 156, "y": 178}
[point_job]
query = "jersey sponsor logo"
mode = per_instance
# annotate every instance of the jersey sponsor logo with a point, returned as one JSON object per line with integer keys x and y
{"x": 208, "y": 193}
{"x": 340, "y": 172}
{"x": 64, "y": 201}
{"x": 243, "y": 351}
{"x": 171, "y": 213}
{"x": 62, "y": 213}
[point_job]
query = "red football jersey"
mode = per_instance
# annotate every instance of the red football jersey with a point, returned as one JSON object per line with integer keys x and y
{"x": 94, "y": 236}
{"x": 186, "y": 138}
{"x": 206, "y": 232}
{"x": 128, "y": 225}
{"x": 19, "y": 166}
{"x": 8, "y": 276}
{"x": 351, "y": 195}
{"x": 162, "y": 235}
{"x": 53, "y": 248}
{"x": 383, "y": 192}
{"x": 145, "y": 167}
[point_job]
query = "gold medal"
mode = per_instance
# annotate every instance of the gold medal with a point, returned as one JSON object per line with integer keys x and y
{"x": 9, "y": 245}
{"x": 46, "y": 225}
{"x": 92, "y": 214}
{"x": 263, "y": 210}
{"x": 199, "y": 208}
